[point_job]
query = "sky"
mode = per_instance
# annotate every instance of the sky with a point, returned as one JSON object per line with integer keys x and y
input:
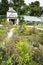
{"x": 29, "y": 1}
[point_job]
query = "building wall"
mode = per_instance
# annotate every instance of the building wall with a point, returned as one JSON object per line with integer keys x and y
{"x": 11, "y": 14}
{"x": 32, "y": 18}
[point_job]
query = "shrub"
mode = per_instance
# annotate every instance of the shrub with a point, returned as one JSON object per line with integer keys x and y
{"x": 25, "y": 52}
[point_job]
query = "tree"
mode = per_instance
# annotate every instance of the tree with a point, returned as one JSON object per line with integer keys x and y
{"x": 18, "y": 4}
{"x": 24, "y": 10}
{"x": 35, "y": 9}
{"x": 3, "y": 7}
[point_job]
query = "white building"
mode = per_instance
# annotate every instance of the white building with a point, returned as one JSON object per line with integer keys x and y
{"x": 12, "y": 16}
{"x": 32, "y": 18}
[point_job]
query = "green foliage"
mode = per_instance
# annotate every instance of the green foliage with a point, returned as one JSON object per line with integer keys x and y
{"x": 35, "y": 9}
{"x": 6, "y": 23}
{"x": 1, "y": 33}
{"x": 17, "y": 5}
{"x": 24, "y": 10}
{"x": 25, "y": 52}
{"x": 24, "y": 48}
{"x": 21, "y": 21}
{"x": 3, "y": 7}
{"x": 38, "y": 56}
{"x": 41, "y": 39}
{"x": 4, "y": 30}
{"x": 3, "y": 56}
{"x": 2, "y": 18}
